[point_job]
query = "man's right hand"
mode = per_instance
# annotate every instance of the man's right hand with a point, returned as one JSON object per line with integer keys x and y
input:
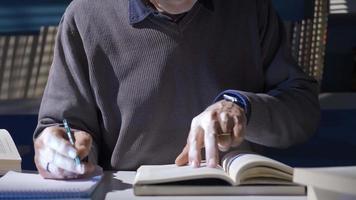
{"x": 54, "y": 155}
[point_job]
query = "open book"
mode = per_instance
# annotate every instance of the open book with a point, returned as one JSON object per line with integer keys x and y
{"x": 240, "y": 174}
{"x": 9, "y": 156}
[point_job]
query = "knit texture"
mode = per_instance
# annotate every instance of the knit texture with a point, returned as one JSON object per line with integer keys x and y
{"x": 135, "y": 88}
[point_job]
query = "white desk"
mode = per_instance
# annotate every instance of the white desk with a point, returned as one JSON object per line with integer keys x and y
{"x": 115, "y": 186}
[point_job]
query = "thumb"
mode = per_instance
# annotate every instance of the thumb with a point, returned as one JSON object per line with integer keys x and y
{"x": 183, "y": 157}
{"x": 83, "y": 142}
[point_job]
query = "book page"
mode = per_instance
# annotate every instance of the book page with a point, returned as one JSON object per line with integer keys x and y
{"x": 265, "y": 175}
{"x": 244, "y": 166}
{"x": 8, "y": 150}
{"x": 156, "y": 174}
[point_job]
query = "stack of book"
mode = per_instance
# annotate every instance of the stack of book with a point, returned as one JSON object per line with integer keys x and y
{"x": 9, "y": 156}
{"x": 328, "y": 183}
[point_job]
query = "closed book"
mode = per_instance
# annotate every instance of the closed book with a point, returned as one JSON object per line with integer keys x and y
{"x": 9, "y": 156}
{"x": 327, "y": 183}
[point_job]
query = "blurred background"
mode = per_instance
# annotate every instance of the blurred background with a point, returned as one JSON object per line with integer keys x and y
{"x": 322, "y": 35}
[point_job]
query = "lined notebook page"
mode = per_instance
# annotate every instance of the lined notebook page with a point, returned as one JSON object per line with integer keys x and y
{"x": 24, "y": 185}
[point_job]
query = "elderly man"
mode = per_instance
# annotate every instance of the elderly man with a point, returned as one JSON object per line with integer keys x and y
{"x": 140, "y": 80}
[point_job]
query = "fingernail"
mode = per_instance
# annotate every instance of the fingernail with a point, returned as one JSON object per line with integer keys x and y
{"x": 80, "y": 169}
{"x": 72, "y": 153}
{"x": 212, "y": 162}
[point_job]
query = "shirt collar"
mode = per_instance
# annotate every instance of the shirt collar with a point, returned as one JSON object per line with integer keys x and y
{"x": 138, "y": 10}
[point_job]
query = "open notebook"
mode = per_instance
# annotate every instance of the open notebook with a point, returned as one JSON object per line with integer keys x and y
{"x": 15, "y": 185}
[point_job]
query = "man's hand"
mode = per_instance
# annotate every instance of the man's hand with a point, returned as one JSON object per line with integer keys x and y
{"x": 220, "y": 126}
{"x": 54, "y": 155}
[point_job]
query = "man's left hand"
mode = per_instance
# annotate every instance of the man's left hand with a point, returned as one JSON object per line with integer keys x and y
{"x": 221, "y": 126}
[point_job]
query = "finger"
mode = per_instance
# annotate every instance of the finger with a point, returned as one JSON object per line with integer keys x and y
{"x": 57, "y": 142}
{"x": 49, "y": 155}
{"x": 210, "y": 142}
{"x": 238, "y": 131}
{"x": 38, "y": 144}
{"x": 50, "y": 171}
{"x": 60, "y": 172}
{"x": 83, "y": 142}
{"x": 89, "y": 168}
{"x": 225, "y": 134}
{"x": 196, "y": 142}
{"x": 182, "y": 158}
{"x": 226, "y": 122}
{"x": 41, "y": 167}
{"x": 224, "y": 141}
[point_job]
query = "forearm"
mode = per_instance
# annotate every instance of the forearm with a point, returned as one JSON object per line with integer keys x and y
{"x": 284, "y": 116}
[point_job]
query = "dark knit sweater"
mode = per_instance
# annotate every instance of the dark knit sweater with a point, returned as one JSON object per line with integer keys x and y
{"x": 135, "y": 88}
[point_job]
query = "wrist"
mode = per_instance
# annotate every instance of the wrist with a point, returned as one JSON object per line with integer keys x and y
{"x": 238, "y": 99}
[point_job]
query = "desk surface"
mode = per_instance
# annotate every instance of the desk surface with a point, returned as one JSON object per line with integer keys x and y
{"x": 118, "y": 185}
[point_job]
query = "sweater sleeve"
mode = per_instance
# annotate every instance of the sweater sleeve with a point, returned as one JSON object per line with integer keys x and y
{"x": 68, "y": 93}
{"x": 288, "y": 111}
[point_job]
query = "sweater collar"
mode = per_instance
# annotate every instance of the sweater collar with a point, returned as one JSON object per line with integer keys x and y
{"x": 138, "y": 10}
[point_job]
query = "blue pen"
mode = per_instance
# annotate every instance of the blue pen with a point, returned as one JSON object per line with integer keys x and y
{"x": 71, "y": 140}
